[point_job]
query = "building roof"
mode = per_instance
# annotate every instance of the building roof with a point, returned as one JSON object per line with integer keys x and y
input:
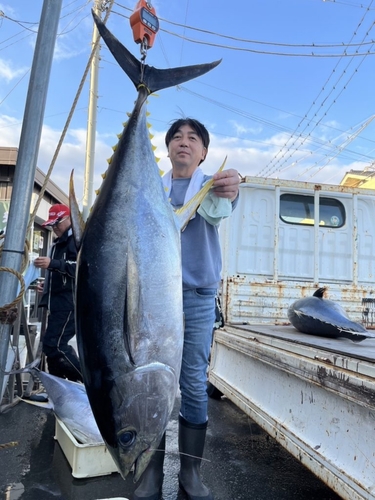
{"x": 359, "y": 178}
{"x": 8, "y": 157}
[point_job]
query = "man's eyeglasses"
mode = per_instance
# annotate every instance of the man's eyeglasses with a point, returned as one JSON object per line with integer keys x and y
{"x": 59, "y": 221}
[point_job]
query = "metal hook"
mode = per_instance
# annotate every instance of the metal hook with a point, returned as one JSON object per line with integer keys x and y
{"x": 143, "y": 48}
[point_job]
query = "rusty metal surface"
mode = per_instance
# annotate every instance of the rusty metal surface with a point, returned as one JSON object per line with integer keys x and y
{"x": 364, "y": 350}
{"x": 314, "y": 395}
{"x": 268, "y": 263}
{"x": 267, "y": 302}
{"x": 318, "y": 362}
{"x": 318, "y": 404}
{"x": 304, "y": 186}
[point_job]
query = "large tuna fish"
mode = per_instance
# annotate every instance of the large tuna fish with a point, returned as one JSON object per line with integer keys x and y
{"x": 318, "y": 316}
{"x": 69, "y": 402}
{"x": 129, "y": 287}
{"x": 70, "y": 405}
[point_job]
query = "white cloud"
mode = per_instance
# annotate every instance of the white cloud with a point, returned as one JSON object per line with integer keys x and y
{"x": 251, "y": 158}
{"x": 241, "y": 130}
{"x": 72, "y": 156}
{"x": 74, "y": 38}
{"x": 9, "y": 72}
{"x": 65, "y": 50}
{"x": 7, "y": 9}
{"x": 247, "y": 157}
{"x": 10, "y": 130}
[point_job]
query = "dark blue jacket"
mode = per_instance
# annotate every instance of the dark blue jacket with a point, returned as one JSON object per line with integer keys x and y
{"x": 59, "y": 286}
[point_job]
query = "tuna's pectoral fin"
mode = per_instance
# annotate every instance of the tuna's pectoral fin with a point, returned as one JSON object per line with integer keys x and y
{"x": 133, "y": 304}
{"x": 154, "y": 79}
{"x": 185, "y": 213}
{"x": 78, "y": 224}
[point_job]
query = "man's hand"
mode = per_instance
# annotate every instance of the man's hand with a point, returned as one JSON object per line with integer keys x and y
{"x": 42, "y": 262}
{"x": 226, "y": 184}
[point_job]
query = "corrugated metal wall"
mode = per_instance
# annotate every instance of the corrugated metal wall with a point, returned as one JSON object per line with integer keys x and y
{"x": 269, "y": 263}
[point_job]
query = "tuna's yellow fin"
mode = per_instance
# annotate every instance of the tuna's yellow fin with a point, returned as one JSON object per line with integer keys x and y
{"x": 78, "y": 224}
{"x": 185, "y": 213}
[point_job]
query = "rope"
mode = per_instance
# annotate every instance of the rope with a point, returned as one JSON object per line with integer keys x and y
{"x": 11, "y": 444}
{"x": 8, "y": 313}
{"x": 67, "y": 123}
{"x": 25, "y": 253}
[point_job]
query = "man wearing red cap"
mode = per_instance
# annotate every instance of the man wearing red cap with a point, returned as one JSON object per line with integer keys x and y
{"x": 58, "y": 296}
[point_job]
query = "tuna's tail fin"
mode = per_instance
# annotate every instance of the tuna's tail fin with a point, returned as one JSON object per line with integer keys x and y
{"x": 154, "y": 79}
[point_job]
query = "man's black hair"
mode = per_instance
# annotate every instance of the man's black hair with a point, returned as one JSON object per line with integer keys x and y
{"x": 197, "y": 126}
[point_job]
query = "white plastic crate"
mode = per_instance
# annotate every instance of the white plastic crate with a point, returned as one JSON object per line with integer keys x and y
{"x": 86, "y": 460}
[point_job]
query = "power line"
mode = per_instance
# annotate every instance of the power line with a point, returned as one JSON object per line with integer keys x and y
{"x": 314, "y": 140}
{"x": 350, "y": 4}
{"x": 315, "y": 120}
{"x": 272, "y": 165}
{"x": 312, "y": 46}
{"x": 333, "y": 151}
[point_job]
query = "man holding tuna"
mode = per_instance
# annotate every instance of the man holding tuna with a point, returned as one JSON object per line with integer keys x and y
{"x": 187, "y": 141}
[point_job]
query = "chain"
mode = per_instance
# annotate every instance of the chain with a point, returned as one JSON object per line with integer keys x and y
{"x": 144, "y": 48}
{"x": 104, "y": 5}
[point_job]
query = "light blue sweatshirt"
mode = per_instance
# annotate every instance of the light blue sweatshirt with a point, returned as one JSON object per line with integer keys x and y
{"x": 201, "y": 253}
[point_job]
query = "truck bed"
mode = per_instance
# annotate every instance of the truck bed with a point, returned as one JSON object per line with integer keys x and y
{"x": 364, "y": 350}
{"x": 314, "y": 395}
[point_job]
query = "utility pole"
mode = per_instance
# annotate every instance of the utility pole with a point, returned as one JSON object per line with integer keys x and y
{"x": 88, "y": 186}
{"x": 24, "y": 175}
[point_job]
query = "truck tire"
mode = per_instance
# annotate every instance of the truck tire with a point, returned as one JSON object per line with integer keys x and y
{"x": 213, "y": 392}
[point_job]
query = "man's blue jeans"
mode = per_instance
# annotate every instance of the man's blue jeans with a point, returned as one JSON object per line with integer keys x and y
{"x": 199, "y": 311}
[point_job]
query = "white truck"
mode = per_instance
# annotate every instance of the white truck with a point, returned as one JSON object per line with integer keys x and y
{"x": 314, "y": 395}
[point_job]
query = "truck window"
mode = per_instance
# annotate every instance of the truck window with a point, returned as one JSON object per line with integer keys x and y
{"x": 299, "y": 209}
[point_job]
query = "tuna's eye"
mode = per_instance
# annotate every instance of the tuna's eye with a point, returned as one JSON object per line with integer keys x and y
{"x": 127, "y": 438}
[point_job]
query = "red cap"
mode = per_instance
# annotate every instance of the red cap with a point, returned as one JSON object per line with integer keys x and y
{"x": 56, "y": 213}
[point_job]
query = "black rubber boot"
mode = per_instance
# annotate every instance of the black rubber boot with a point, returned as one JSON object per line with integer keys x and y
{"x": 191, "y": 438}
{"x": 151, "y": 481}
{"x": 63, "y": 367}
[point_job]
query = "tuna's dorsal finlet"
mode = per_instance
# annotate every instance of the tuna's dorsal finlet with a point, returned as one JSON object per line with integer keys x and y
{"x": 78, "y": 224}
{"x": 109, "y": 160}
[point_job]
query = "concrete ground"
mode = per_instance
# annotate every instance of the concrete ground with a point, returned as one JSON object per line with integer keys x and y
{"x": 242, "y": 462}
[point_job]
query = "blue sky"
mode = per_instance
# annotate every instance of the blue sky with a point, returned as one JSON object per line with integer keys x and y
{"x": 284, "y": 102}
